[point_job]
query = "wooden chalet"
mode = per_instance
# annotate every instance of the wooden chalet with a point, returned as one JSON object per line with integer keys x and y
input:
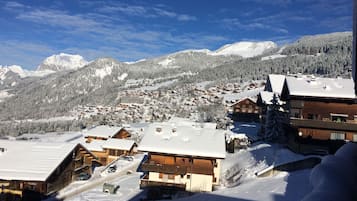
{"x": 246, "y": 110}
{"x": 34, "y": 170}
{"x": 105, "y": 132}
{"x": 109, "y": 150}
{"x": 321, "y": 109}
{"x": 182, "y": 156}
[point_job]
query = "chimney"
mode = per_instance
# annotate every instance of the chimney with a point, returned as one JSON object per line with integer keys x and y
{"x": 354, "y": 45}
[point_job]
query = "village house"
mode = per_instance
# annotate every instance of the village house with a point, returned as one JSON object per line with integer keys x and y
{"x": 182, "y": 155}
{"x": 109, "y": 150}
{"x": 246, "y": 110}
{"x": 105, "y": 132}
{"x": 322, "y": 109}
{"x": 34, "y": 170}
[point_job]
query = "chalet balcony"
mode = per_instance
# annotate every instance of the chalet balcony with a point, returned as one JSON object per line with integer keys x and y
{"x": 146, "y": 183}
{"x": 152, "y": 166}
{"x": 319, "y": 124}
{"x": 81, "y": 167}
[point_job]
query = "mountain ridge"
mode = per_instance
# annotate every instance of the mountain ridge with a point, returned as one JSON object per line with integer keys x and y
{"x": 100, "y": 81}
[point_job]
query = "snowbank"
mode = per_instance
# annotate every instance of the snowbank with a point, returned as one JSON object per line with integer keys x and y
{"x": 336, "y": 177}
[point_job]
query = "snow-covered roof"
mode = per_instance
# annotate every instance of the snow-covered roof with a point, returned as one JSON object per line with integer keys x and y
{"x": 111, "y": 143}
{"x": 102, "y": 131}
{"x": 320, "y": 87}
{"x": 254, "y": 100}
{"x": 95, "y": 145}
{"x": 276, "y": 83}
{"x": 182, "y": 139}
{"x": 121, "y": 144}
{"x": 267, "y": 97}
{"x": 31, "y": 161}
{"x": 187, "y": 122}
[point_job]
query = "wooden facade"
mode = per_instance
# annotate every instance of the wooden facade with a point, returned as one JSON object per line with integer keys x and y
{"x": 180, "y": 172}
{"x": 77, "y": 161}
{"x": 324, "y": 119}
{"x": 246, "y": 110}
{"x": 121, "y": 134}
{"x": 107, "y": 155}
{"x": 320, "y": 125}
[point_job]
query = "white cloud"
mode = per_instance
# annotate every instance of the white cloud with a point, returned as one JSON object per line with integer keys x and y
{"x": 58, "y": 18}
{"x": 13, "y": 5}
{"x": 144, "y": 11}
{"x": 233, "y": 23}
{"x": 129, "y": 10}
{"x": 27, "y": 54}
{"x": 94, "y": 35}
{"x": 186, "y": 18}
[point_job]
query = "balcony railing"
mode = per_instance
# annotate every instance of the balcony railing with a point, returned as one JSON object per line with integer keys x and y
{"x": 319, "y": 124}
{"x": 145, "y": 183}
{"x": 151, "y": 166}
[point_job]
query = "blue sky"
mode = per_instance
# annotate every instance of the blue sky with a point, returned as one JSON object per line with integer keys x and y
{"x": 32, "y": 30}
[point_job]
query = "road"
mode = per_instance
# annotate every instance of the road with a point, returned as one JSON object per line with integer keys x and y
{"x": 62, "y": 195}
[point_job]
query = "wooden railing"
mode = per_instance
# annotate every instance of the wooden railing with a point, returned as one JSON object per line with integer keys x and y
{"x": 145, "y": 183}
{"x": 151, "y": 166}
{"x": 344, "y": 126}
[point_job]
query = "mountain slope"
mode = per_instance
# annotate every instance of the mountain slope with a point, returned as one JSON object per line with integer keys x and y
{"x": 99, "y": 82}
{"x": 62, "y": 62}
{"x": 246, "y": 49}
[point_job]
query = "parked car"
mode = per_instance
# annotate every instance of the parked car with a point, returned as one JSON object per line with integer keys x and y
{"x": 83, "y": 176}
{"x": 128, "y": 158}
{"x": 112, "y": 169}
{"x": 110, "y": 188}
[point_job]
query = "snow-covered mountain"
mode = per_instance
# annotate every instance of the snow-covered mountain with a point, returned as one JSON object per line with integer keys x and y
{"x": 10, "y": 76}
{"x": 22, "y": 73}
{"x": 245, "y": 49}
{"x": 101, "y": 80}
{"x": 61, "y": 62}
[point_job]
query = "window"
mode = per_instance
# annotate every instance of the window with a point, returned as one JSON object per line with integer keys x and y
{"x": 354, "y": 138}
{"x": 112, "y": 152}
{"x": 337, "y": 136}
{"x": 339, "y": 117}
{"x": 215, "y": 164}
{"x": 310, "y": 116}
{"x": 171, "y": 176}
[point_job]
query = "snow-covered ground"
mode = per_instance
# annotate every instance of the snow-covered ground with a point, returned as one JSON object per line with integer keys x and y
{"x": 238, "y": 175}
{"x": 282, "y": 187}
{"x": 125, "y": 177}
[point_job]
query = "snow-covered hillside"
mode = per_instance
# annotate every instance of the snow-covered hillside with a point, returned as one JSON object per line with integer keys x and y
{"x": 22, "y": 73}
{"x": 62, "y": 62}
{"x": 245, "y": 49}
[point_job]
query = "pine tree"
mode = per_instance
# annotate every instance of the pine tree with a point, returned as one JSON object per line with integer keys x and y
{"x": 275, "y": 120}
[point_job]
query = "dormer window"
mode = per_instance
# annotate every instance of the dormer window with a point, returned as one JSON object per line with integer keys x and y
{"x": 339, "y": 117}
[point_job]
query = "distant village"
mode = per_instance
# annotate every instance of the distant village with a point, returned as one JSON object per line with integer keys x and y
{"x": 309, "y": 115}
{"x": 159, "y": 105}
